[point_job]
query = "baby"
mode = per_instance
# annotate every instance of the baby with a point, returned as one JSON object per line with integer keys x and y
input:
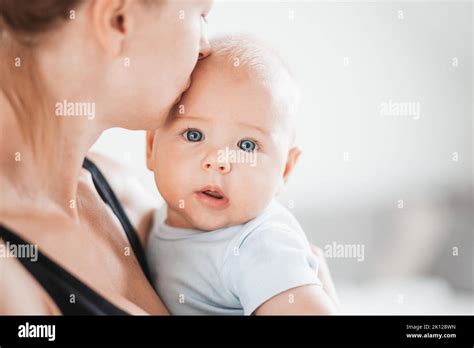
{"x": 222, "y": 244}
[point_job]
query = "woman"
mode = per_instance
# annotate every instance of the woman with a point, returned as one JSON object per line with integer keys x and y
{"x": 126, "y": 62}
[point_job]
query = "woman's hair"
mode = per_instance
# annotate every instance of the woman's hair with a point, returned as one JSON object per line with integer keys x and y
{"x": 22, "y": 25}
{"x": 27, "y": 17}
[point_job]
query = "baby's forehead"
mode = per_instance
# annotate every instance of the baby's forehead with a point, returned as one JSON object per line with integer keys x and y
{"x": 236, "y": 62}
{"x": 242, "y": 81}
{"x": 225, "y": 92}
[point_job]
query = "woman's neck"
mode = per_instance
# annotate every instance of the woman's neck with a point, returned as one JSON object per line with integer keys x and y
{"x": 42, "y": 177}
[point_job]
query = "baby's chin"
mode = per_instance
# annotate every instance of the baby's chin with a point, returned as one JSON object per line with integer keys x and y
{"x": 216, "y": 220}
{"x": 206, "y": 224}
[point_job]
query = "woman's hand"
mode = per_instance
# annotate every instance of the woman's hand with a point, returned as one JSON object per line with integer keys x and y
{"x": 325, "y": 276}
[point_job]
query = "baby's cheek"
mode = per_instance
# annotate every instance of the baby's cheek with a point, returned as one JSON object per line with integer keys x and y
{"x": 267, "y": 186}
{"x": 256, "y": 189}
{"x": 167, "y": 176}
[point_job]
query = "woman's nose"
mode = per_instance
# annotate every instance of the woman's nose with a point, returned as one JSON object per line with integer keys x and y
{"x": 205, "y": 47}
{"x": 212, "y": 163}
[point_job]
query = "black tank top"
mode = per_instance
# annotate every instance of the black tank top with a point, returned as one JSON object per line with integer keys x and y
{"x": 59, "y": 283}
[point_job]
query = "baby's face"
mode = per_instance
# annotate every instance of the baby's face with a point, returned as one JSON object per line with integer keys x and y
{"x": 221, "y": 157}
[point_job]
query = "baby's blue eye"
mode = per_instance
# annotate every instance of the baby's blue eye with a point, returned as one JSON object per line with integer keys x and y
{"x": 193, "y": 135}
{"x": 247, "y": 145}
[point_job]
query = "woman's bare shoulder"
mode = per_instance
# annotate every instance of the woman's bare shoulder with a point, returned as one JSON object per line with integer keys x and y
{"x": 21, "y": 293}
{"x": 139, "y": 203}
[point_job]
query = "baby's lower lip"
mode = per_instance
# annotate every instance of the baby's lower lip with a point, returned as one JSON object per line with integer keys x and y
{"x": 212, "y": 202}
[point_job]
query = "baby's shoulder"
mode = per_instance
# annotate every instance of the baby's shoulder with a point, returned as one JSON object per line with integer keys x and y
{"x": 276, "y": 223}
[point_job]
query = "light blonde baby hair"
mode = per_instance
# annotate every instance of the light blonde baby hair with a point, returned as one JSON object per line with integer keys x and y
{"x": 261, "y": 62}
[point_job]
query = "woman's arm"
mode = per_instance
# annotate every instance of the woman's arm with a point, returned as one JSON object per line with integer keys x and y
{"x": 325, "y": 276}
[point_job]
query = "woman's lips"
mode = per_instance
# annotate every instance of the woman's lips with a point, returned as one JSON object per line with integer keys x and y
{"x": 177, "y": 101}
{"x": 180, "y": 97}
{"x": 212, "y": 197}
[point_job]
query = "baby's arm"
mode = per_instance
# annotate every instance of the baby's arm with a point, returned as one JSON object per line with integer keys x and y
{"x": 312, "y": 299}
{"x": 277, "y": 272}
{"x": 303, "y": 300}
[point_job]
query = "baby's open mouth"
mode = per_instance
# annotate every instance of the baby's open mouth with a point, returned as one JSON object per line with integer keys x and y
{"x": 212, "y": 196}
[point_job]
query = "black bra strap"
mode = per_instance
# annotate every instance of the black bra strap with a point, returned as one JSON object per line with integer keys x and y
{"x": 108, "y": 196}
{"x": 60, "y": 284}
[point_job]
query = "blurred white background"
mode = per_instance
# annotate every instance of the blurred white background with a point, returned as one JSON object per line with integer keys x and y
{"x": 398, "y": 185}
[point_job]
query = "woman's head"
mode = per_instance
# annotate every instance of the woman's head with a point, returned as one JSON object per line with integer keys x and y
{"x": 132, "y": 58}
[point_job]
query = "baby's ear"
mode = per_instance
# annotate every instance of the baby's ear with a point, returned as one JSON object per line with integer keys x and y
{"x": 150, "y": 136}
{"x": 291, "y": 161}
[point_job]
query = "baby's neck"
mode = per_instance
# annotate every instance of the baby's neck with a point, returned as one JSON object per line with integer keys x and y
{"x": 174, "y": 219}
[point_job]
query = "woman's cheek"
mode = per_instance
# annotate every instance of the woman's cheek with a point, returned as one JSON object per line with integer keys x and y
{"x": 193, "y": 45}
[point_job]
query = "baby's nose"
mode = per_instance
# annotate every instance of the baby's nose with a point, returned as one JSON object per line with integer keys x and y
{"x": 213, "y": 164}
